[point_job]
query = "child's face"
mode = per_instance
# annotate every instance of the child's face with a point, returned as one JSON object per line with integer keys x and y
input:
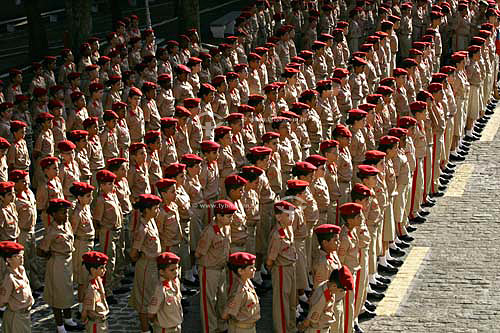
{"x": 224, "y": 219}
{"x": 170, "y": 272}
{"x": 52, "y": 170}
{"x": 247, "y": 272}
{"x": 107, "y": 187}
{"x": 16, "y": 260}
{"x": 98, "y": 272}
{"x": 86, "y": 198}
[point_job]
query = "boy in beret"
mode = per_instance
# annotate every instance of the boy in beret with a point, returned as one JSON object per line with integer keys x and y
{"x": 57, "y": 246}
{"x": 109, "y": 136}
{"x": 78, "y": 113}
{"x": 181, "y": 137}
{"x": 168, "y": 219}
{"x": 44, "y": 145}
{"x": 281, "y": 260}
{"x": 234, "y": 188}
{"x": 135, "y": 118}
{"x": 94, "y": 106}
{"x": 94, "y": 148}
{"x": 344, "y": 162}
{"x": 325, "y": 263}
{"x": 108, "y": 219}
{"x": 243, "y": 308}
{"x": 15, "y": 291}
{"x": 84, "y": 232}
{"x": 69, "y": 171}
{"x": 95, "y": 308}
{"x": 274, "y": 172}
{"x": 322, "y": 316}
{"x": 51, "y": 189}
{"x": 79, "y": 138}
{"x": 138, "y": 173}
{"x": 329, "y": 149}
{"x": 152, "y": 139}
{"x": 165, "y": 308}
{"x": 213, "y": 252}
{"x": 168, "y": 150}
{"x": 149, "y": 107}
{"x": 18, "y": 156}
{"x": 250, "y": 201}
{"x": 209, "y": 176}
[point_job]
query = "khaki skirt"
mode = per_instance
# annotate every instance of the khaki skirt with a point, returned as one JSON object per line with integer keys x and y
{"x": 58, "y": 291}
{"x": 145, "y": 281}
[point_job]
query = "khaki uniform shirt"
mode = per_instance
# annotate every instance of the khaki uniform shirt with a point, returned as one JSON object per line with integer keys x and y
{"x": 166, "y": 304}
{"x": 243, "y": 303}
{"x": 147, "y": 239}
{"x": 135, "y": 123}
{"x": 154, "y": 167}
{"x": 107, "y": 211}
{"x": 209, "y": 179}
{"x": 15, "y": 291}
{"x": 26, "y": 210}
{"x": 323, "y": 266}
{"x": 75, "y": 119}
{"x": 69, "y": 173}
{"x": 151, "y": 115}
{"x": 169, "y": 228}
{"x": 214, "y": 246}
{"x": 18, "y": 157}
{"x": 321, "y": 314}
{"x": 281, "y": 247}
{"x": 166, "y": 102}
{"x": 95, "y": 300}
{"x": 81, "y": 222}
{"x": 94, "y": 149}
{"x": 109, "y": 143}
{"x": 348, "y": 249}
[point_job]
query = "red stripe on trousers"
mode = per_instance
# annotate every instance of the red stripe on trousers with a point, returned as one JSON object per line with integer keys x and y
{"x": 230, "y": 282}
{"x": 400, "y": 230}
{"x": 204, "y": 297}
{"x": 163, "y": 330}
{"x": 282, "y": 305}
{"x": 424, "y": 195}
{"x": 94, "y": 328}
{"x": 106, "y": 243}
{"x": 358, "y": 276}
{"x": 346, "y": 311}
{"x": 136, "y": 217}
{"x": 48, "y": 219}
{"x": 413, "y": 189}
{"x": 433, "y": 163}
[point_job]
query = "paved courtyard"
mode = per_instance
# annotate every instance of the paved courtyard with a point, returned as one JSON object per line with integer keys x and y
{"x": 454, "y": 288}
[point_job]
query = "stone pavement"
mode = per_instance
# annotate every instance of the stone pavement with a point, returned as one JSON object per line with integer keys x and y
{"x": 455, "y": 289}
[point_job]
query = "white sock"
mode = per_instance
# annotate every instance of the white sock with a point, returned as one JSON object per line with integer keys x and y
{"x": 303, "y": 298}
{"x": 263, "y": 270}
{"x": 397, "y": 240}
{"x": 195, "y": 270}
{"x": 188, "y": 275}
{"x": 80, "y": 307}
{"x": 258, "y": 277}
{"x": 468, "y": 132}
{"x": 383, "y": 260}
{"x": 372, "y": 278}
{"x": 299, "y": 308}
{"x": 308, "y": 289}
{"x": 61, "y": 329}
{"x": 70, "y": 322}
{"x": 392, "y": 246}
{"x": 369, "y": 289}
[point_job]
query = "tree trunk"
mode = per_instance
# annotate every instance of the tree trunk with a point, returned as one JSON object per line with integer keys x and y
{"x": 189, "y": 15}
{"x": 78, "y": 23}
{"x": 38, "y": 43}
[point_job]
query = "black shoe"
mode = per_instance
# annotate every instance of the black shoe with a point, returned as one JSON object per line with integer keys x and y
{"x": 382, "y": 279}
{"x": 476, "y": 135}
{"x": 411, "y": 228}
{"x": 378, "y": 287}
{"x": 470, "y": 137}
{"x": 431, "y": 200}
{"x": 437, "y": 194}
{"x": 403, "y": 245}
{"x": 387, "y": 269}
{"x": 304, "y": 305}
{"x": 481, "y": 121}
{"x": 442, "y": 188}
{"x": 428, "y": 204}
{"x": 446, "y": 176}
{"x": 397, "y": 252}
{"x": 464, "y": 149}
{"x": 189, "y": 292}
{"x": 456, "y": 158}
{"x": 443, "y": 181}
{"x": 111, "y": 300}
{"x": 462, "y": 153}
{"x": 370, "y": 306}
{"x": 265, "y": 276}
{"x": 365, "y": 315}
{"x": 130, "y": 274}
{"x": 189, "y": 283}
{"x": 489, "y": 112}
{"x": 465, "y": 143}
{"x": 448, "y": 170}
{"x": 407, "y": 238}
{"x": 477, "y": 130}
{"x": 77, "y": 327}
{"x": 418, "y": 219}
{"x": 375, "y": 296}
{"x": 395, "y": 262}
{"x": 424, "y": 213}
{"x": 185, "y": 302}
{"x": 121, "y": 290}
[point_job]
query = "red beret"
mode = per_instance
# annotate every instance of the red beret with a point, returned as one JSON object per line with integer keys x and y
{"x": 340, "y": 72}
{"x": 173, "y": 169}
{"x": 399, "y": 71}
{"x": 327, "y": 229}
{"x": 167, "y": 258}
{"x": 54, "y": 104}
{"x": 407, "y": 5}
{"x": 118, "y": 105}
{"x": 149, "y": 85}
{"x": 268, "y": 136}
{"x": 374, "y": 155}
{"x": 242, "y": 259}
{"x": 148, "y": 200}
{"x": 260, "y": 151}
{"x": 350, "y": 208}
{"x": 165, "y": 183}
{"x": 9, "y": 248}
{"x": 251, "y": 169}
{"x": 324, "y": 83}
{"x": 151, "y": 136}
{"x": 90, "y": 121}
{"x": 105, "y": 176}
{"x": 367, "y": 107}
{"x": 207, "y": 87}
{"x": 136, "y": 146}
{"x": 194, "y": 61}
{"x": 96, "y": 86}
{"x": 45, "y": 116}
{"x": 218, "y": 80}
{"x": 244, "y": 108}
{"x": 17, "y": 124}
{"x": 116, "y": 161}
{"x": 182, "y": 69}
{"x": 39, "y": 92}
{"x": 407, "y": 121}
{"x": 232, "y": 76}
{"x": 221, "y": 131}
{"x": 22, "y": 98}
{"x": 368, "y": 170}
{"x": 56, "y": 204}
{"x": 289, "y": 114}
{"x": 82, "y": 187}
{"x": 435, "y": 87}
{"x": 191, "y": 102}
{"x": 388, "y": 140}
{"x": 418, "y": 106}
{"x": 224, "y": 207}
{"x": 305, "y": 166}
{"x": 73, "y": 75}
{"x": 372, "y": 39}
{"x": 207, "y": 146}
{"x": 6, "y": 187}
{"x": 181, "y": 111}
{"x": 90, "y": 68}
{"x": 235, "y": 179}
{"x": 77, "y": 135}
{"x": 385, "y": 90}
{"x": 342, "y": 131}
{"x": 309, "y": 93}
{"x": 134, "y": 91}
{"x": 66, "y": 146}
{"x": 191, "y": 158}
{"x": 164, "y": 77}
{"x": 284, "y": 206}
{"x": 361, "y": 189}
{"x": 357, "y": 113}
{"x": 357, "y": 61}
{"x": 167, "y": 121}
{"x": 316, "y": 160}
{"x": 342, "y": 24}
{"x": 373, "y": 98}
{"x": 173, "y": 43}
{"x": 48, "y": 161}
{"x": 234, "y": 116}
{"x": 253, "y": 56}
{"x": 327, "y": 144}
{"x": 239, "y": 67}
{"x": 415, "y": 52}
{"x": 109, "y": 115}
{"x": 398, "y": 132}
{"x": 16, "y": 175}
{"x": 448, "y": 69}
{"x": 346, "y": 279}
{"x": 256, "y": 97}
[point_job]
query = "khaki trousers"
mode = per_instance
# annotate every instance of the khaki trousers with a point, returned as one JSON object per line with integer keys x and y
{"x": 284, "y": 298}
{"x": 213, "y": 298}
